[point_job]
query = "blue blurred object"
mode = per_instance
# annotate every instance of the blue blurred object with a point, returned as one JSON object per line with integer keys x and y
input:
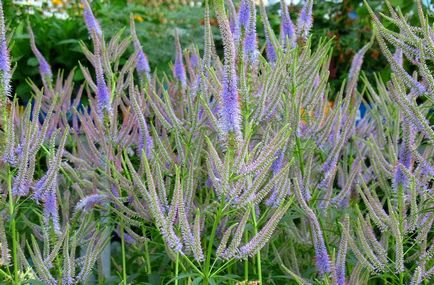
{"x": 352, "y": 15}
{"x": 361, "y": 112}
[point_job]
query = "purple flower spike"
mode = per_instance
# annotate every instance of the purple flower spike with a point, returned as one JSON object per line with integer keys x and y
{"x": 230, "y": 114}
{"x": 148, "y": 145}
{"x": 230, "y": 111}
{"x": 88, "y": 203}
{"x": 287, "y": 29}
{"x": 269, "y": 35}
{"x": 103, "y": 92}
{"x": 44, "y": 67}
{"x": 405, "y": 155}
{"x": 90, "y": 20}
{"x": 20, "y": 188}
{"x": 271, "y": 52}
{"x": 51, "y": 210}
{"x": 5, "y": 65}
{"x": 244, "y": 14}
{"x": 305, "y": 20}
{"x": 179, "y": 69}
{"x": 234, "y": 22}
{"x": 250, "y": 44}
{"x": 142, "y": 63}
{"x": 194, "y": 60}
{"x": 39, "y": 188}
{"x": 398, "y": 56}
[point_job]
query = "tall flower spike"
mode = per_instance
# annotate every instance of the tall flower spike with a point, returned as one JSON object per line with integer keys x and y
{"x": 230, "y": 121}
{"x": 179, "y": 69}
{"x": 145, "y": 140}
{"x": 142, "y": 63}
{"x": 51, "y": 209}
{"x": 207, "y": 50}
{"x": 305, "y": 20}
{"x": 287, "y": 29}
{"x": 269, "y": 47}
{"x": 356, "y": 64}
{"x": 9, "y": 154}
{"x": 5, "y": 65}
{"x": 48, "y": 183}
{"x": 264, "y": 235}
{"x": 102, "y": 92}
{"x": 250, "y": 43}
{"x": 234, "y": 22}
{"x": 244, "y": 14}
{"x": 44, "y": 67}
{"x": 405, "y": 154}
{"x": 340, "y": 261}
{"x": 322, "y": 258}
{"x": 90, "y": 20}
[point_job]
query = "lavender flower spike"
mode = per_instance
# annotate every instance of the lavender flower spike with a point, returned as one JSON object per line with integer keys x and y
{"x": 250, "y": 44}
{"x": 5, "y": 65}
{"x": 271, "y": 52}
{"x": 51, "y": 210}
{"x": 287, "y": 29}
{"x": 356, "y": 65}
{"x": 44, "y": 67}
{"x": 142, "y": 64}
{"x": 230, "y": 109}
{"x": 103, "y": 92}
{"x": 89, "y": 202}
{"x": 305, "y": 20}
{"x": 322, "y": 258}
{"x": 244, "y": 14}
{"x": 234, "y": 22}
{"x": 90, "y": 20}
{"x": 179, "y": 69}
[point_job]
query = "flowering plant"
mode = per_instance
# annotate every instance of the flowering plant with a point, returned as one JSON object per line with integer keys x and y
{"x": 236, "y": 168}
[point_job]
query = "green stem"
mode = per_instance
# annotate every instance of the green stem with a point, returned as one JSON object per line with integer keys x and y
{"x": 258, "y": 255}
{"x": 211, "y": 242}
{"x": 124, "y": 263}
{"x": 299, "y": 154}
{"x": 13, "y": 226}
{"x": 246, "y": 262}
{"x": 177, "y": 268}
{"x": 147, "y": 258}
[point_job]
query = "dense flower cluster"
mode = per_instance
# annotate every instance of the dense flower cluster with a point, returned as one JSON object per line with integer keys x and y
{"x": 234, "y": 161}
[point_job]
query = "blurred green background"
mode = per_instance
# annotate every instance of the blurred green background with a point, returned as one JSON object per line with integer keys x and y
{"x": 347, "y": 22}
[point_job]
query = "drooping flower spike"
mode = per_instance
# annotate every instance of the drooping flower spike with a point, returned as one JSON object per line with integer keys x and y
{"x": 44, "y": 67}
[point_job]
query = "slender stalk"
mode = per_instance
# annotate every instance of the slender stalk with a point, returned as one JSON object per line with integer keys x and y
{"x": 246, "y": 262}
{"x": 258, "y": 255}
{"x": 124, "y": 264}
{"x": 147, "y": 258}
{"x": 211, "y": 242}
{"x": 12, "y": 212}
{"x": 299, "y": 154}
{"x": 177, "y": 268}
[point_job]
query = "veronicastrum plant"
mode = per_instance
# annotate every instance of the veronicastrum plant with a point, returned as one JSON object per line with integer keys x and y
{"x": 235, "y": 168}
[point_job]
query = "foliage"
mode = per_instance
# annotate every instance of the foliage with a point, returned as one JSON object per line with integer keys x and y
{"x": 60, "y": 39}
{"x": 236, "y": 169}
